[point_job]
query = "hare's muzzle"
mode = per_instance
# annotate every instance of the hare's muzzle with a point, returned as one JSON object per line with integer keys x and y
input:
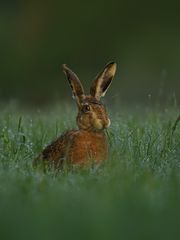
{"x": 100, "y": 124}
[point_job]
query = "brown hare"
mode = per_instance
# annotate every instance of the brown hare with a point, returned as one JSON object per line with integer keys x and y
{"x": 89, "y": 143}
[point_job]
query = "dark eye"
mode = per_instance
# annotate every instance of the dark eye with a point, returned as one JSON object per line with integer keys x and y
{"x": 86, "y": 108}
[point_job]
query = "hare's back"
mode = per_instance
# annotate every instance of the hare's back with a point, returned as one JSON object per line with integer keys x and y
{"x": 76, "y": 147}
{"x": 56, "y": 152}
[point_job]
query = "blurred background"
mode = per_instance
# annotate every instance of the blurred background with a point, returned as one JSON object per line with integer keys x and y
{"x": 37, "y": 37}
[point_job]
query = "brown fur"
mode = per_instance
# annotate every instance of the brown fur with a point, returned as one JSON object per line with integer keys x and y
{"x": 89, "y": 143}
{"x": 76, "y": 147}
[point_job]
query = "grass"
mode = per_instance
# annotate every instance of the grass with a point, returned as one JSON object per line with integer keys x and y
{"x": 134, "y": 195}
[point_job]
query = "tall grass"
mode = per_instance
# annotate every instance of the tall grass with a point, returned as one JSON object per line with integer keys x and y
{"x": 135, "y": 194}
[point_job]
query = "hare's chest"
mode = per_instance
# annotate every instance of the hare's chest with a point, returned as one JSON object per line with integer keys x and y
{"x": 88, "y": 147}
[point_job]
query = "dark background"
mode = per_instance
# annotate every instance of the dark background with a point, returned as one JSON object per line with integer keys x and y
{"x": 37, "y": 37}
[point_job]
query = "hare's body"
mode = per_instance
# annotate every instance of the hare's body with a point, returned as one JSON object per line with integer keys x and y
{"x": 89, "y": 143}
{"x": 77, "y": 147}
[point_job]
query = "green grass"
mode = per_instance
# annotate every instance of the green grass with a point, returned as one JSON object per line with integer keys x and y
{"x": 134, "y": 195}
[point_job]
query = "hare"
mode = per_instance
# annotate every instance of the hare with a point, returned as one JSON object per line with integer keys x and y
{"x": 89, "y": 143}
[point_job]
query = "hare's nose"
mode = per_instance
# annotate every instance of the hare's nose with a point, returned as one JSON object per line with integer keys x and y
{"x": 108, "y": 123}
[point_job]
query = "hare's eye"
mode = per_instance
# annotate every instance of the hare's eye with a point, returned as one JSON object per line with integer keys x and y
{"x": 86, "y": 108}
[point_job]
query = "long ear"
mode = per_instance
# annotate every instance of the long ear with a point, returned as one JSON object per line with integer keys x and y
{"x": 75, "y": 84}
{"x": 103, "y": 80}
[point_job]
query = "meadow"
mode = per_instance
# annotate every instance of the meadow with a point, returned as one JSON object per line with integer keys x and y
{"x": 135, "y": 194}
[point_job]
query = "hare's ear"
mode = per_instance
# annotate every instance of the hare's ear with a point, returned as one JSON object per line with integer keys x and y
{"x": 103, "y": 80}
{"x": 75, "y": 84}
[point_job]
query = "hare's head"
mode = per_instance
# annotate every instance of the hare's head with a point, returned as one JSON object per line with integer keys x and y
{"x": 92, "y": 114}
